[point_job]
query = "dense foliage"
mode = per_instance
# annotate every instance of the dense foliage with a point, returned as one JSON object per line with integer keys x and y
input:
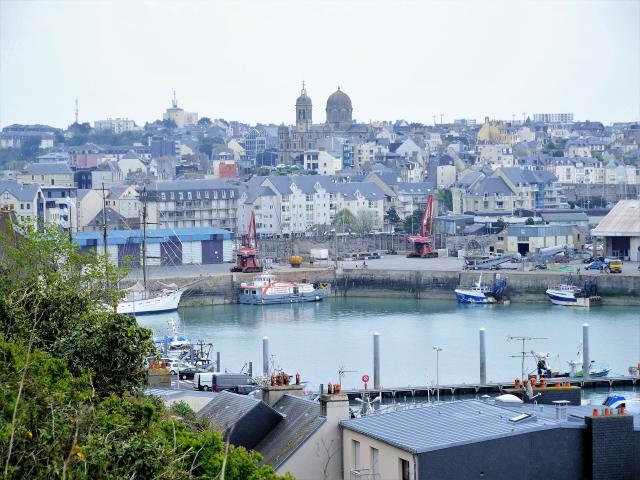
{"x": 72, "y": 374}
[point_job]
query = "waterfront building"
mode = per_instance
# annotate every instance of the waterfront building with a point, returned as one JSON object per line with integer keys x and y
{"x": 165, "y": 247}
{"x": 192, "y": 203}
{"x": 496, "y": 441}
{"x": 526, "y": 239}
{"x": 620, "y": 230}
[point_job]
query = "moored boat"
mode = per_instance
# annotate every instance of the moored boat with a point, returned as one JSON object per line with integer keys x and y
{"x": 265, "y": 289}
{"x": 480, "y": 293}
{"x": 568, "y": 294}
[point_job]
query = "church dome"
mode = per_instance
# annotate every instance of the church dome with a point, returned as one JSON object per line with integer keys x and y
{"x": 339, "y": 111}
{"x": 339, "y": 100}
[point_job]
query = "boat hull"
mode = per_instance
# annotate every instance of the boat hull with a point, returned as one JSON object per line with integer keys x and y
{"x": 570, "y": 300}
{"x": 161, "y": 303}
{"x": 259, "y": 299}
{"x": 467, "y": 296}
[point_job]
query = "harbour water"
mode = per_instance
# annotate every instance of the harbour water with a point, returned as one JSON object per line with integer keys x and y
{"x": 317, "y": 339}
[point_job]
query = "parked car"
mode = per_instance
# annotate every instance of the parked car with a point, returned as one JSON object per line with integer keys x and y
{"x": 188, "y": 373}
{"x": 588, "y": 260}
{"x": 597, "y": 265}
{"x": 176, "y": 366}
{"x": 615, "y": 266}
{"x": 348, "y": 257}
{"x": 375, "y": 255}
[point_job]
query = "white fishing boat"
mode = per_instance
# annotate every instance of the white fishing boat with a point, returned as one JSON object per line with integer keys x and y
{"x": 265, "y": 289}
{"x": 571, "y": 295}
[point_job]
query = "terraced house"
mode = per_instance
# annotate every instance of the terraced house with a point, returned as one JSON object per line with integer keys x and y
{"x": 506, "y": 189}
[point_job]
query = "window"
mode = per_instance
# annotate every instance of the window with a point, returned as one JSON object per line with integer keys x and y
{"x": 163, "y": 196}
{"x": 198, "y": 195}
{"x": 53, "y": 182}
{"x": 375, "y": 460}
{"x": 206, "y": 194}
{"x": 22, "y": 206}
{"x": 172, "y": 196}
{"x": 29, "y": 208}
{"x": 355, "y": 453}
{"x": 180, "y": 195}
{"x": 405, "y": 472}
{"x": 189, "y": 196}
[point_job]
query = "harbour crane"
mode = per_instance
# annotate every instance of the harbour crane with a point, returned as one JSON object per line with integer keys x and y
{"x": 422, "y": 246}
{"x": 246, "y": 260}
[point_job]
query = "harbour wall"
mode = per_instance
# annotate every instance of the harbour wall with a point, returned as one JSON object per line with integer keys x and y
{"x": 616, "y": 289}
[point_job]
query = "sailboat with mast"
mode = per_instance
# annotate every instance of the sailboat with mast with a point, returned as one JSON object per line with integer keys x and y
{"x": 139, "y": 299}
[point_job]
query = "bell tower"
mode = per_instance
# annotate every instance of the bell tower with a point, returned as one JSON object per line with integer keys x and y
{"x": 304, "y": 111}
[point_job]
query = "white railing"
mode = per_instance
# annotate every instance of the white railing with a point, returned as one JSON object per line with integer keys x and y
{"x": 363, "y": 474}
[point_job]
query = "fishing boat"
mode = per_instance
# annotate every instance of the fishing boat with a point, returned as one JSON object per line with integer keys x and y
{"x": 568, "y": 294}
{"x": 265, "y": 289}
{"x": 480, "y": 293}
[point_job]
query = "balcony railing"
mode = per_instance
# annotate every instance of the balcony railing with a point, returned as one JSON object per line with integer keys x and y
{"x": 363, "y": 474}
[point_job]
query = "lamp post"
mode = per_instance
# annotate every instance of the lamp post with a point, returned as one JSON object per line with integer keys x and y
{"x": 438, "y": 350}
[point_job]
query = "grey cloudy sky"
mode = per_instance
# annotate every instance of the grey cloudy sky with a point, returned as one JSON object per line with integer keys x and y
{"x": 244, "y": 60}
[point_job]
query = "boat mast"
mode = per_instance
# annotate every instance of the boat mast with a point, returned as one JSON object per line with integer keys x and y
{"x": 144, "y": 238}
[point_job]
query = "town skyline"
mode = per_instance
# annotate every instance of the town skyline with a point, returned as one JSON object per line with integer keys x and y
{"x": 432, "y": 59}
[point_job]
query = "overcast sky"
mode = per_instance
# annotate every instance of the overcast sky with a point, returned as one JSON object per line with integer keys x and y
{"x": 243, "y": 60}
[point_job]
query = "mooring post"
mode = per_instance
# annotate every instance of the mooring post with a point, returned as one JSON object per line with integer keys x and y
{"x": 218, "y": 369}
{"x": 265, "y": 356}
{"x": 483, "y": 358}
{"x": 586, "y": 363}
{"x": 376, "y": 360}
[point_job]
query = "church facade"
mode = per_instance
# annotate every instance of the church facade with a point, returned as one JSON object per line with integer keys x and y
{"x": 294, "y": 141}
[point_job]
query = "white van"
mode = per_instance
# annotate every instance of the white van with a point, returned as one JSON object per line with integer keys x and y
{"x": 217, "y": 382}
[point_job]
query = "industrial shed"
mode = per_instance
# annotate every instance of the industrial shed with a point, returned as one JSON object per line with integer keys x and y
{"x": 180, "y": 246}
{"x": 620, "y": 230}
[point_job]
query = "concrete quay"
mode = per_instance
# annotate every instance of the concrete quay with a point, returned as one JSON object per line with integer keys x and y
{"x": 396, "y": 276}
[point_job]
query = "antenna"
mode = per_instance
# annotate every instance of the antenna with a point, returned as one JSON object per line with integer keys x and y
{"x": 342, "y": 371}
{"x": 524, "y": 351}
{"x": 76, "y": 110}
{"x": 174, "y": 100}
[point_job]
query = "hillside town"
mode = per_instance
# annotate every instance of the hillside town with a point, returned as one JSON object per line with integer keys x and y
{"x": 193, "y": 172}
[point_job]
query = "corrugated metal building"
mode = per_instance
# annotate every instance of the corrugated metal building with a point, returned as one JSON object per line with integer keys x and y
{"x": 181, "y": 246}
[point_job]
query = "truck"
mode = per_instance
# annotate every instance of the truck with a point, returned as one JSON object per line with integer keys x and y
{"x": 218, "y": 382}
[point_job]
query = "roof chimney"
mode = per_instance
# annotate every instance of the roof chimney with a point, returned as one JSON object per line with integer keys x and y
{"x": 279, "y": 387}
{"x": 334, "y": 407}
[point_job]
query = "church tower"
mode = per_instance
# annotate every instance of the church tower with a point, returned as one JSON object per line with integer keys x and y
{"x": 303, "y": 111}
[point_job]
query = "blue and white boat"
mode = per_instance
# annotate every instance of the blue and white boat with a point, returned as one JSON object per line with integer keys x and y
{"x": 480, "y": 293}
{"x": 571, "y": 295}
{"x": 265, "y": 289}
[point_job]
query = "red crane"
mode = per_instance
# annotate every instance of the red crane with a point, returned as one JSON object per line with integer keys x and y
{"x": 246, "y": 261}
{"x": 422, "y": 246}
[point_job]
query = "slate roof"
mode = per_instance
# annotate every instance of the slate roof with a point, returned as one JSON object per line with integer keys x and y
{"x": 113, "y": 218}
{"x": 301, "y": 419}
{"x": 185, "y": 185}
{"x": 21, "y": 191}
{"x": 469, "y": 178}
{"x": 445, "y": 425}
{"x": 491, "y": 186}
{"x": 413, "y": 187}
{"x": 248, "y": 419}
{"x": 48, "y": 168}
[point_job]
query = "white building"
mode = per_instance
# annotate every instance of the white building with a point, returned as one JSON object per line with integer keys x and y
{"x": 553, "y": 117}
{"x": 116, "y": 125}
{"x": 321, "y": 162}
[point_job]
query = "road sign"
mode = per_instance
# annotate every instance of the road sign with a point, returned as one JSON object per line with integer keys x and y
{"x": 365, "y": 378}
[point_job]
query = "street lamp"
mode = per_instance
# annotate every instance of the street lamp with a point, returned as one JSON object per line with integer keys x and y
{"x": 438, "y": 350}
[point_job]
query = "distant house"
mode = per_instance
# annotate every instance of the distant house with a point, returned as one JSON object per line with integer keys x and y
{"x": 48, "y": 174}
{"x": 26, "y": 200}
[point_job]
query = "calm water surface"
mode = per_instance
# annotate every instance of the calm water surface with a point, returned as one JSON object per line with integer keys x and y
{"x": 316, "y": 339}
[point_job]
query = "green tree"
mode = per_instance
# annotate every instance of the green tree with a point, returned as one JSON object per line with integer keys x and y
{"x": 79, "y": 129}
{"x": 344, "y": 217}
{"x": 499, "y": 225}
{"x": 413, "y": 222}
{"x": 445, "y": 197}
{"x": 169, "y": 124}
{"x": 391, "y": 217}
{"x": 204, "y": 121}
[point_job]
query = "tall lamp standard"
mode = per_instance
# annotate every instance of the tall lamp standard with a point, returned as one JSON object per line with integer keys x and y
{"x": 438, "y": 350}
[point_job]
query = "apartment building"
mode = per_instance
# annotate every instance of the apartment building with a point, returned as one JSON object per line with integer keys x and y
{"x": 192, "y": 203}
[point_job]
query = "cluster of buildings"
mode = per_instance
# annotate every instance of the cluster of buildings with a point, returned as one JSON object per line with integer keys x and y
{"x": 194, "y": 172}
